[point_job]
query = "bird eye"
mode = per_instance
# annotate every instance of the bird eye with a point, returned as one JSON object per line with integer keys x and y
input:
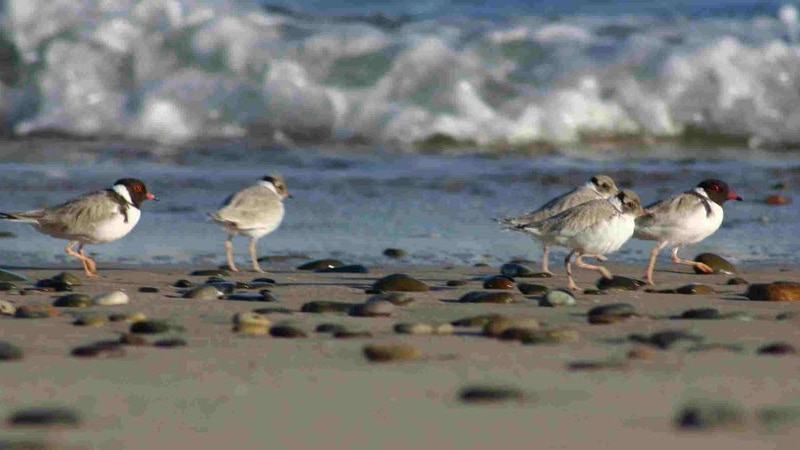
{"x": 137, "y": 188}
{"x": 715, "y": 187}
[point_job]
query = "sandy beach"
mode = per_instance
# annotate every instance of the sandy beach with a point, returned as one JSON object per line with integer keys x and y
{"x": 224, "y": 388}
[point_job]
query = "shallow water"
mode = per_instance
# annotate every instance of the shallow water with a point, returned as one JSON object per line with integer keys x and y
{"x": 353, "y": 205}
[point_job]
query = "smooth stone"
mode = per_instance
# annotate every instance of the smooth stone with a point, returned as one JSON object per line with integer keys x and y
{"x": 475, "y": 321}
{"x": 501, "y": 297}
{"x": 90, "y": 321}
{"x": 701, "y": 313}
{"x": 251, "y": 329}
{"x": 67, "y": 277}
{"x": 399, "y": 282}
{"x": 394, "y": 253}
{"x": 743, "y": 316}
{"x": 35, "y": 312}
{"x": 251, "y": 318}
{"x": 709, "y": 414}
{"x": 514, "y": 334}
{"x": 263, "y": 280}
{"x": 779, "y": 291}
{"x": 774, "y": 417}
{"x": 320, "y": 264}
{"x": 330, "y": 328}
{"x": 204, "y": 292}
{"x": 737, "y": 281}
{"x": 734, "y": 348}
{"x": 73, "y": 301}
{"x": 274, "y": 310}
{"x": 777, "y": 348}
{"x": 777, "y": 199}
{"x": 550, "y": 336}
{"x": 695, "y": 289}
{"x": 7, "y": 286}
{"x": 45, "y": 417}
{"x": 127, "y": 317}
{"x": 665, "y": 339}
{"x": 210, "y": 273}
{"x": 611, "y": 313}
{"x": 268, "y": 296}
{"x": 7, "y": 308}
{"x": 113, "y": 298}
{"x": 350, "y": 268}
{"x": 618, "y": 283}
{"x": 377, "y": 308}
{"x": 716, "y": 262}
{"x": 170, "y": 343}
{"x": 395, "y": 298}
{"x": 490, "y": 394}
{"x": 455, "y": 283}
{"x": 133, "y": 339}
{"x": 247, "y": 297}
{"x": 413, "y": 328}
{"x": 104, "y": 349}
{"x": 558, "y": 298}
{"x": 348, "y": 334}
{"x": 7, "y": 275}
{"x": 148, "y": 290}
{"x": 320, "y": 306}
{"x": 257, "y": 285}
{"x": 532, "y": 289}
{"x": 149, "y": 327}
{"x": 499, "y": 282}
{"x": 287, "y": 331}
{"x": 497, "y": 326}
{"x": 224, "y": 287}
{"x": 10, "y": 352}
{"x": 443, "y": 328}
{"x": 183, "y": 283}
{"x": 391, "y": 352}
{"x": 641, "y": 352}
{"x": 593, "y": 366}
{"x": 515, "y": 270}
{"x": 52, "y": 285}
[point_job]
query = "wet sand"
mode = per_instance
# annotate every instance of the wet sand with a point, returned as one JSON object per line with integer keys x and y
{"x": 226, "y": 389}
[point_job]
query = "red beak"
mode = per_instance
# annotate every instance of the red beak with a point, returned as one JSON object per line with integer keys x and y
{"x": 732, "y": 196}
{"x": 150, "y": 196}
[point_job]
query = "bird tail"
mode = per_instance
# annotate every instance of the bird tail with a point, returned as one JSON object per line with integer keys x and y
{"x": 16, "y": 217}
{"x": 510, "y": 223}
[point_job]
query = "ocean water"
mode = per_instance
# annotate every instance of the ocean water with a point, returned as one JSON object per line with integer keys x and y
{"x": 397, "y": 124}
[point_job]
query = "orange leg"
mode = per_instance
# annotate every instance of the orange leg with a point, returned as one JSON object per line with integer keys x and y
{"x": 89, "y": 265}
{"x": 700, "y": 266}
{"x": 229, "y": 253}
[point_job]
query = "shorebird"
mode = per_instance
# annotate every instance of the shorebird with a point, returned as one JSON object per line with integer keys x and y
{"x": 683, "y": 219}
{"x": 591, "y": 229}
{"x": 598, "y": 187}
{"x": 94, "y": 218}
{"x": 254, "y": 211}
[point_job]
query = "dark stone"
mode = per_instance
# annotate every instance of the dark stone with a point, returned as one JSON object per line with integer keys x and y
{"x": 777, "y": 348}
{"x": 223, "y": 286}
{"x": 148, "y": 290}
{"x": 9, "y": 351}
{"x": 487, "y": 297}
{"x": 264, "y": 281}
{"x": 326, "y": 307}
{"x": 716, "y": 262}
{"x": 515, "y": 270}
{"x": 490, "y": 394}
{"x": 592, "y": 366}
{"x": 695, "y": 289}
{"x": 66, "y": 277}
{"x": 737, "y": 281}
{"x": 709, "y": 415}
{"x": 35, "y": 312}
{"x": 7, "y": 286}
{"x": 104, "y": 349}
{"x": 7, "y": 275}
{"x": 499, "y": 282}
{"x": 454, "y": 283}
{"x": 286, "y": 331}
{"x": 779, "y": 291}
{"x": 350, "y": 268}
{"x": 532, "y": 289}
{"x": 475, "y": 321}
{"x": 183, "y": 283}
{"x": 247, "y": 297}
{"x": 44, "y": 417}
{"x": 665, "y": 339}
{"x": 170, "y": 343}
{"x": 611, "y": 313}
{"x": 379, "y": 308}
{"x": 330, "y": 328}
{"x": 391, "y": 352}
{"x": 618, "y": 283}
{"x": 50, "y": 284}
{"x": 149, "y": 327}
{"x": 320, "y": 264}
{"x": 73, "y": 301}
{"x": 210, "y": 273}
{"x": 399, "y": 282}
{"x": 133, "y": 339}
{"x": 345, "y": 334}
{"x": 394, "y": 253}
{"x": 273, "y": 311}
{"x": 515, "y": 334}
{"x": 701, "y": 313}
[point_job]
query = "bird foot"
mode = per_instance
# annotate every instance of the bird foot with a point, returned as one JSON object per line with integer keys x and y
{"x": 703, "y": 267}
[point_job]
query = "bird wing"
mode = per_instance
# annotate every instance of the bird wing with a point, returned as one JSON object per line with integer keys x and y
{"x": 576, "y": 219}
{"x": 249, "y": 208}
{"x": 81, "y": 214}
{"x": 672, "y": 211}
{"x": 554, "y": 206}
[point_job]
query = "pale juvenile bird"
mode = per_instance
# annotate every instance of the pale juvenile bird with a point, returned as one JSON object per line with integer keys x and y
{"x": 592, "y": 229}
{"x": 254, "y": 211}
{"x": 683, "y": 219}
{"x": 598, "y": 187}
{"x": 94, "y": 218}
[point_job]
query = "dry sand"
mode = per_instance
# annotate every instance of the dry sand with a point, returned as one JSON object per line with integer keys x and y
{"x": 226, "y": 390}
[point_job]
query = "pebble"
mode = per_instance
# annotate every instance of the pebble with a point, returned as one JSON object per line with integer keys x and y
{"x": 665, "y": 339}
{"x": 251, "y": 318}
{"x": 183, "y": 283}
{"x": 251, "y": 329}
{"x": 274, "y": 310}
{"x": 695, "y": 289}
{"x": 551, "y": 336}
{"x": 347, "y": 334}
{"x": 320, "y": 306}
{"x": 7, "y": 275}
{"x": 456, "y": 283}
{"x": 558, "y": 298}
{"x": 399, "y": 282}
{"x": 349, "y": 268}
{"x": 377, "y": 308}
{"x": 734, "y": 348}
{"x": 113, "y": 298}
{"x": 223, "y": 286}
{"x": 773, "y": 417}
{"x": 320, "y": 264}
{"x": 7, "y": 308}
{"x": 532, "y": 289}
{"x": 48, "y": 284}
{"x": 391, "y": 352}
{"x": 737, "y": 281}
{"x": 330, "y": 328}
{"x": 210, "y": 273}
{"x": 45, "y": 417}
{"x": 618, "y": 283}
{"x": 777, "y": 199}
{"x": 7, "y": 286}
{"x": 499, "y": 282}
{"x": 395, "y": 298}
{"x": 701, "y": 313}
{"x": 204, "y": 292}
{"x": 514, "y": 334}
{"x": 490, "y": 394}
{"x": 475, "y": 321}
{"x": 709, "y": 414}
{"x": 584, "y": 366}
{"x": 716, "y": 262}
{"x": 779, "y": 291}
{"x": 497, "y": 326}
{"x": 515, "y": 270}
{"x": 287, "y": 331}
{"x": 104, "y": 349}
{"x": 170, "y": 343}
{"x": 73, "y": 301}
{"x": 149, "y": 327}
{"x": 9, "y": 352}
{"x": 148, "y": 290}
{"x": 67, "y": 277}
{"x": 127, "y": 317}
{"x": 90, "y": 321}
{"x": 250, "y": 297}
{"x": 640, "y": 352}
{"x": 262, "y": 280}
{"x": 501, "y": 297}
{"x": 611, "y": 313}
{"x": 777, "y": 348}
{"x": 35, "y": 312}
{"x": 394, "y": 253}
{"x": 133, "y": 339}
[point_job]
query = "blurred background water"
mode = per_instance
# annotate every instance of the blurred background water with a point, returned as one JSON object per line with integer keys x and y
{"x": 409, "y": 124}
